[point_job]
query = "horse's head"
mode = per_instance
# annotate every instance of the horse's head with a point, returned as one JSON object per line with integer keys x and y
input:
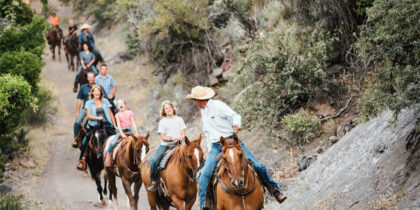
{"x": 193, "y": 154}
{"x": 140, "y": 147}
{"x": 98, "y": 140}
{"x": 234, "y": 159}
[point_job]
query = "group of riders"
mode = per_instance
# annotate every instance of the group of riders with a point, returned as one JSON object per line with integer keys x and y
{"x": 96, "y": 102}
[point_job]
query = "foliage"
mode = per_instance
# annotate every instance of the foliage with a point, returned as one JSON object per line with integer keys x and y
{"x": 10, "y": 202}
{"x": 301, "y": 127}
{"x": 362, "y": 5}
{"x": 29, "y": 37}
{"x": 23, "y": 63}
{"x": 278, "y": 77}
{"x": 389, "y": 45}
{"x": 15, "y": 11}
{"x": 104, "y": 11}
{"x": 44, "y": 111}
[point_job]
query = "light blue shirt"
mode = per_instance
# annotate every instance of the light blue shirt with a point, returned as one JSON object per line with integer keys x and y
{"x": 107, "y": 83}
{"x": 92, "y": 109}
{"x": 218, "y": 119}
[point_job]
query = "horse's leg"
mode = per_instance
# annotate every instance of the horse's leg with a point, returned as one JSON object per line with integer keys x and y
{"x": 189, "y": 204}
{"x": 67, "y": 58}
{"x": 179, "y": 204}
{"x": 53, "y": 51}
{"x": 113, "y": 188}
{"x": 59, "y": 51}
{"x": 72, "y": 62}
{"x": 152, "y": 198}
{"x": 137, "y": 186}
{"x": 127, "y": 188}
{"x": 99, "y": 189}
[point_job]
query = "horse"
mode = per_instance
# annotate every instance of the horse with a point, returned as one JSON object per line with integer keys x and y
{"x": 54, "y": 39}
{"x": 71, "y": 50}
{"x": 177, "y": 179}
{"x": 95, "y": 162}
{"x": 127, "y": 160}
{"x": 236, "y": 185}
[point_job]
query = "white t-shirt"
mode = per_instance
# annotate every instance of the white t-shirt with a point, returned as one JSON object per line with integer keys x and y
{"x": 171, "y": 127}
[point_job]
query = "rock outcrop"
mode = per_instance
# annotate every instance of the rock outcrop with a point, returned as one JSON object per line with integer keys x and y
{"x": 369, "y": 168}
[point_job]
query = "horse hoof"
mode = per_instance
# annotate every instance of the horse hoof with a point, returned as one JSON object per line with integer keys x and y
{"x": 101, "y": 204}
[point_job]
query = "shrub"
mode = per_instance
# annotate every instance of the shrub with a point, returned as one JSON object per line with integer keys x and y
{"x": 278, "y": 76}
{"x": 10, "y": 202}
{"x": 22, "y": 63}
{"x": 29, "y": 37}
{"x": 16, "y": 12}
{"x": 390, "y": 47}
{"x": 301, "y": 127}
{"x": 44, "y": 111}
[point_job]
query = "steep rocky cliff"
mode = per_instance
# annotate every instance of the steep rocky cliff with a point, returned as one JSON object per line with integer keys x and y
{"x": 369, "y": 168}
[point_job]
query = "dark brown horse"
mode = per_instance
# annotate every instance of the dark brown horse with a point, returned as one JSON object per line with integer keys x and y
{"x": 127, "y": 161}
{"x": 72, "y": 50}
{"x": 178, "y": 177}
{"x": 54, "y": 39}
{"x": 236, "y": 185}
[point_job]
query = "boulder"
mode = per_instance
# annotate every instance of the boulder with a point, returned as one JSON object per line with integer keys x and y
{"x": 213, "y": 80}
{"x": 333, "y": 139}
{"x": 5, "y": 188}
{"x": 227, "y": 75}
{"x": 217, "y": 72}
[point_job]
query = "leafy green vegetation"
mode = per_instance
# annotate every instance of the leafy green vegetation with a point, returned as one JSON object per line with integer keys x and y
{"x": 301, "y": 127}
{"x": 389, "y": 45}
{"x": 9, "y": 202}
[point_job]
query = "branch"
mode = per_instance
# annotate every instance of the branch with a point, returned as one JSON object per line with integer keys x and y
{"x": 338, "y": 113}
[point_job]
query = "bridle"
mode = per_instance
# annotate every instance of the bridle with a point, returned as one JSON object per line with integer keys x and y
{"x": 96, "y": 135}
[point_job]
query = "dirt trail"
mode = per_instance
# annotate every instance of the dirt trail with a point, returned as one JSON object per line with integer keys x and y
{"x": 60, "y": 185}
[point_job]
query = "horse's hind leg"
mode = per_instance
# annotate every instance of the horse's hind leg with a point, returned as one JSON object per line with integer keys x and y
{"x": 127, "y": 188}
{"x": 53, "y": 51}
{"x": 59, "y": 52}
{"x": 112, "y": 188}
{"x": 152, "y": 198}
{"x": 68, "y": 61}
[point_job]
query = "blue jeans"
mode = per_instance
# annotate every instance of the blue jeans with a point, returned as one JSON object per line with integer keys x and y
{"x": 77, "y": 125}
{"x": 115, "y": 139}
{"x": 216, "y": 148}
{"x": 155, "y": 160}
{"x": 96, "y": 52}
{"x": 76, "y": 79}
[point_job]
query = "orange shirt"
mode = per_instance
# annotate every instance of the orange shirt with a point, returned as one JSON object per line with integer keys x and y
{"x": 54, "y": 20}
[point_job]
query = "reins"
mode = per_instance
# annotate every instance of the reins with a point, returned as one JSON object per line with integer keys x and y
{"x": 232, "y": 191}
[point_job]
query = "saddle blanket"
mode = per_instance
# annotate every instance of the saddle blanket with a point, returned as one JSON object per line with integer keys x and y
{"x": 116, "y": 148}
{"x": 165, "y": 159}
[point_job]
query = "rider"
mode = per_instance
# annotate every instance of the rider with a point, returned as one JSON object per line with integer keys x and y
{"x": 125, "y": 121}
{"x": 172, "y": 130}
{"x": 108, "y": 83}
{"x": 82, "y": 98}
{"x": 86, "y": 59}
{"x": 54, "y": 20}
{"x": 98, "y": 113}
{"x": 85, "y": 37}
{"x": 72, "y": 28}
{"x": 220, "y": 120}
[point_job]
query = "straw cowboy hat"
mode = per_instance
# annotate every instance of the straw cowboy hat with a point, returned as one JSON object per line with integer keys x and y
{"x": 85, "y": 26}
{"x": 200, "y": 93}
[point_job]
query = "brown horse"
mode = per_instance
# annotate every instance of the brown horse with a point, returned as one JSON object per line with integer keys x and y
{"x": 127, "y": 161}
{"x": 54, "y": 39}
{"x": 236, "y": 185}
{"x": 178, "y": 177}
{"x": 72, "y": 49}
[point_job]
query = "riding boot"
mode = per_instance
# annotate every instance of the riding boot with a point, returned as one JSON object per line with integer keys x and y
{"x": 108, "y": 160}
{"x": 75, "y": 87}
{"x": 280, "y": 197}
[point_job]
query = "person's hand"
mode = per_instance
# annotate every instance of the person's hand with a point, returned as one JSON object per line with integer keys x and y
{"x": 123, "y": 135}
{"x": 87, "y": 66}
{"x": 236, "y": 128}
{"x": 110, "y": 96}
{"x": 77, "y": 114}
{"x": 84, "y": 67}
{"x": 100, "y": 118}
{"x": 136, "y": 135}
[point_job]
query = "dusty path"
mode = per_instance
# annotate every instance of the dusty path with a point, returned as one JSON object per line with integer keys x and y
{"x": 60, "y": 185}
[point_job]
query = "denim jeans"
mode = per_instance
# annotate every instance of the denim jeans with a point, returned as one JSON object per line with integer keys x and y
{"x": 155, "y": 160}
{"x": 77, "y": 125}
{"x": 96, "y": 52}
{"x": 115, "y": 139}
{"x": 76, "y": 79}
{"x": 216, "y": 148}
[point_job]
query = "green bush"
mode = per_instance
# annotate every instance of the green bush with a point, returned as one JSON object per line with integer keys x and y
{"x": 22, "y": 63}
{"x": 29, "y": 37}
{"x": 10, "y": 202}
{"x": 15, "y": 98}
{"x": 389, "y": 45}
{"x": 279, "y": 74}
{"x": 301, "y": 127}
{"x": 15, "y": 11}
{"x": 44, "y": 111}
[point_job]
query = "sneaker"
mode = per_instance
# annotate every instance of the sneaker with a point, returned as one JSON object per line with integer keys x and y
{"x": 108, "y": 160}
{"x": 280, "y": 197}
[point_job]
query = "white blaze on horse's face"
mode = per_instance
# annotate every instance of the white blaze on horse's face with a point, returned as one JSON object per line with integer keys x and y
{"x": 143, "y": 152}
{"x": 97, "y": 135}
{"x": 197, "y": 153}
{"x": 231, "y": 154}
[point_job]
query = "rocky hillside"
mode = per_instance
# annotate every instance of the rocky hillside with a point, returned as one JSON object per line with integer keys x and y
{"x": 369, "y": 168}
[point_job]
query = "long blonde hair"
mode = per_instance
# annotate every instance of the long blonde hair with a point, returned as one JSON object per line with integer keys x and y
{"x": 162, "y": 110}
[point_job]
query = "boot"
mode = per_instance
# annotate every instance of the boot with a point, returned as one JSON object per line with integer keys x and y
{"x": 75, "y": 87}
{"x": 280, "y": 197}
{"x": 74, "y": 143}
{"x": 108, "y": 160}
{"x": 81, "y": 166}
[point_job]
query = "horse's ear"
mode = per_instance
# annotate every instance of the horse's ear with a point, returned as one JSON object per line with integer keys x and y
{"x": 187, "y": 141}
{"x": 235, "y": 137}
{"x": 222, "y": 141}
{"x": 199, "y": 139}
{"x": 147, "y": 135}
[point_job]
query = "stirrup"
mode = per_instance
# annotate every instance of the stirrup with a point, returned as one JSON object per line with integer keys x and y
{"x": 81, "y": 166}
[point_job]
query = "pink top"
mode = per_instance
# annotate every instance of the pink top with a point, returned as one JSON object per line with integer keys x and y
{"x": 125, "y": 118}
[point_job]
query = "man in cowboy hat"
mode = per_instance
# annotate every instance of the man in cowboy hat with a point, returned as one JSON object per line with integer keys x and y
{"x": 220, "y": 120}
{"x": 86, "y": 38}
